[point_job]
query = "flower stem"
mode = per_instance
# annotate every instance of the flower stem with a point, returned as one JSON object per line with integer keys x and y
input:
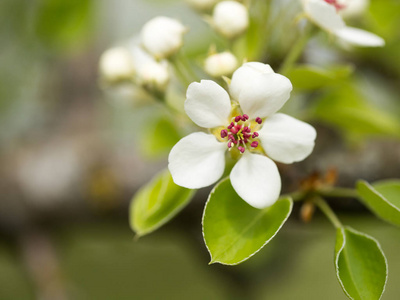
{"x": 338, "y": 192}
{"x": 295, "y": 51}
{"x": 180, "y": 73}
{"x": 328, "y": 212}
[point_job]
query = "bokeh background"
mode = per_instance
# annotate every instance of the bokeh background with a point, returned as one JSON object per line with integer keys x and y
{"x": 71, "y": 158}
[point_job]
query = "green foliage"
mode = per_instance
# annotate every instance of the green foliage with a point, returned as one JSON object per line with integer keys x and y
{"x": 307, "y": 77}
{"x": 156, "y": 203}
{"x": 361, "y": 266}
{"x": 382, "y": 198}
{"x": 158, "y": 136}
{"x": 348, "y": 110}
{"x": 65, "y": 23}
{"x": 233, "y": 230}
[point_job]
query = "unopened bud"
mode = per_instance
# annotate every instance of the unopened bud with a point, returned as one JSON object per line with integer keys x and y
{"x": 221, "y": 64}
{"x": 230, "y": 18}
{"x": 116, "y": 64}
{"x": 162, "y": 36}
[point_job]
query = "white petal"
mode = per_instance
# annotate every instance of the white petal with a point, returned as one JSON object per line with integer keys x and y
{"x": 265, "y": 95}
{"x": 256, "y": 179}
{"x": 207, "y": 104}
{"x": 246, "y": 73}
{"x": 286, "y": 139}
{"x": 197, "y": 160}
{"x": 360, "y": 37}
{"x": 323, "y": 14}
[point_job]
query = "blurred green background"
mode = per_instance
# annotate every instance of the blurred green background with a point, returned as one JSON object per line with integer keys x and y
{"x": 70, "y": 164}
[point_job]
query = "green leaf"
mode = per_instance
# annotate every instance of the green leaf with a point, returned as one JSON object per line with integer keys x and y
{"x": 361, "y": 266}
{"x": 156, "y": 203}
{"x": 348, "y": 109}
{"x": 312, "y": 77}
{"x": 382, "y": 198}
{"x": 158, "y": 137}
{"x": 233, "y": 230}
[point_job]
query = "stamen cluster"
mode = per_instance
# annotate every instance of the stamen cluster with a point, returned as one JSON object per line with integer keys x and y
{"x": 239, "y": 133}
{"x": 336, "y": 4}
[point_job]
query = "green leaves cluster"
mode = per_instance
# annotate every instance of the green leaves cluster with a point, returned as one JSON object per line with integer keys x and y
{"x": 361, "y": 266}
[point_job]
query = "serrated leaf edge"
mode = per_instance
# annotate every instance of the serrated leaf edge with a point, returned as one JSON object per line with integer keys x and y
{"x": 246, "y": 258}
{"x": 341, "y": 249}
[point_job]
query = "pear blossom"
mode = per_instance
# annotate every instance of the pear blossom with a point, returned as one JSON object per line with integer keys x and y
{"x": 162, "y": 36}
{"x": 249, "y": 127}
{"x": 116, "y": 64}
{"x": 221, "y": 64}
{"x": 230, "y": 18}
{"x": 327, "y": 15}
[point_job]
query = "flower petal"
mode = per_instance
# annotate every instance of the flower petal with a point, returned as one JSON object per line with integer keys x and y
{"x": 359, "y": 37}
{"x": 256, "y": 179}
{"x": 207, "y": 104}
{"x": 265, "y": 95}
{"x": 286, "y": 139}
{"x": 323, "y": 14}
{"x": 246, "y": 73}
{"x": 197, "y": 160}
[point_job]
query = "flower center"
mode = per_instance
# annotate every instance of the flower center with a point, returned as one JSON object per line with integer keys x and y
{"x": 240, "y": 133}
{"x": 336, "y": 4}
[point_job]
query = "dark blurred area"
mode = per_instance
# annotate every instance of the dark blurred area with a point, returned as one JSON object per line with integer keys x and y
{"x": 71, "y": 162}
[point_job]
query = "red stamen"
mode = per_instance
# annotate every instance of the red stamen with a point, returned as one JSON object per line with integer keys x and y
{"x": 254, "y": 144}
{"x": 224, "y": 133}
{"x": 241, "y": 149}
{"x": 258, "y": 120}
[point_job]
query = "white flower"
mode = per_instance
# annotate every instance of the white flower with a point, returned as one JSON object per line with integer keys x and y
{"x": 254, "y": 132}
{"x": 202, "y": 4}
{"x": 162, "y": 36}
{"x": 116, "y": 64}
{"x": 221, "y": 64}
{"x": 150, "y": 73}
{"x": 326, "y": 14}
{"x": 230, "y": 18}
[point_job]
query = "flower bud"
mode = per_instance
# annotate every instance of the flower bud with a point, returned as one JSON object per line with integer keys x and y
{"x": 116, "y": 64}
{"x": 220, "y": 64}
{"x": 162, "y": 36}
{"x": 150, "y": 74}
{"x": 246, "y": 73}
{"x": 230, "y": 18}
{"x": 202, "y": 4}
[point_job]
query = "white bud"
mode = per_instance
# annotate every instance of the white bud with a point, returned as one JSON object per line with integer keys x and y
{"x": 247, "y": 73}
{"x": 116, "y": 64}
{"x": 230, "y": 18}
{"x": 150, "y": 73}
{"x": 162, "y": 36}
{"x": 221, "y": 64}
{"x": 202, "y": 4}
